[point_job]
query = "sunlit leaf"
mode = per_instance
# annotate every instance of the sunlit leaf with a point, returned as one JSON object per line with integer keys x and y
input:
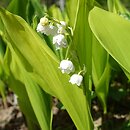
{"x": 55, "y": 12}
{"x": 82, "y": 42}
{"x": 45, "y": 66}
{"x": 40, "y": 101}
{"x": 72, "y": 7}
{"x": 100, "y": 72}
{"x": 112, "y": 31}
{"x": 18, "y": 7}
{"x": 19, "y": 89}
{"x": 38, "y": 7}
{"x": 21, "y": 92}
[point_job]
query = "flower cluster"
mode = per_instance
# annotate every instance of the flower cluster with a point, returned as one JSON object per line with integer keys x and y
{"x": 57, "y": 29}
{"x": 66, "y": 66}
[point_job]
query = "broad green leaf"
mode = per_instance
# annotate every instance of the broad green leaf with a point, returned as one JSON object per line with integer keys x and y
{"x": 72, "y": 7}
{"x": 19, "y": 89}
{"x": 82, "y": 42}
{"x": 45, "y": 66}
{"x": 100, "y": 71}
{"x": 38, "y": 7}
{"x": 26, "y": 8}
{"x": 111, "y": 5}
{"x": 116, "y": 6}
{"x": 39, "y": 100}
{"x": 100, "y": 57}
{"x": 55, "y": 12}
{"x": 30, "y": 14}
{"x": 18, "y": 7}
{"x": 112, "y": 31}
{"x": 23, "y": 99}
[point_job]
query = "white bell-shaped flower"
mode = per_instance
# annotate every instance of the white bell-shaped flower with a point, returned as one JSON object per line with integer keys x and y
{"x": 45, "y": 27}
{"x": 76, "y": 79}
{"x": 61, "y": 27}
{"x": 60, "y": 41}
{"x": 41, "y": 28}
{"x": 66, "y": 66}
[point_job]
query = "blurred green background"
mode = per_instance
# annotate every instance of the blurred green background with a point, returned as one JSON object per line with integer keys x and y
{"x": 49, "y": 2}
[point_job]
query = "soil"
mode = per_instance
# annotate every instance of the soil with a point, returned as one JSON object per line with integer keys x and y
{"x": 117, "y": 118}
{"x": 11, "y": 117}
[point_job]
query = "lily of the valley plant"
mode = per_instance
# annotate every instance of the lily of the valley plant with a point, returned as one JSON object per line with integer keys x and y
{"x": 46, "y": 52}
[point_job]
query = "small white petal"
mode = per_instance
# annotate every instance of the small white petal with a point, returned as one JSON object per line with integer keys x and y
{"x": 76, "y": 79}
{"x": 66, "y": 66}
{"x": 63, "y": 23}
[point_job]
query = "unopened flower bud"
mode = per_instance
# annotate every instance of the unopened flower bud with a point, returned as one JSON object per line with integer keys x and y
{"x": 44, "y": 21}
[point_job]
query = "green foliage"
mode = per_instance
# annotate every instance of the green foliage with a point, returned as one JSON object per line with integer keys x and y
{"x": 45, "y": 65}
{"x": 3, "y": 91}
{"x": 100, "y": 72}
{"x": 98, "y": 41}
{"x": 18, "y": 7}
{"x": 82, "y": 42}
{"x": 72, "y": 12}
{"x": 107, "y": 27}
